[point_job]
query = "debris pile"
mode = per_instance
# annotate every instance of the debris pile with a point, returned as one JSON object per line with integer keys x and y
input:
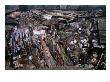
{"x": 42, "y": 39}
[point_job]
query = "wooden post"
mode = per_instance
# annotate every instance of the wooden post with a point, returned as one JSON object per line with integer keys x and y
{"x": 48, "y": 58}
